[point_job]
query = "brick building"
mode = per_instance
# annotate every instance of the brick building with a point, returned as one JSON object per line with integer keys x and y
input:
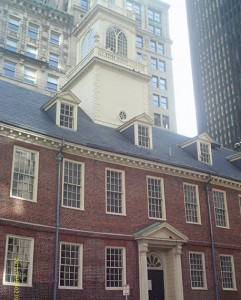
{"x": 135, "y": 204}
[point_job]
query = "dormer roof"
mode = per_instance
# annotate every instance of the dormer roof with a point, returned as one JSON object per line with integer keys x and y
{"x": 143, "y": 119}
{"x": 67, "y": 96}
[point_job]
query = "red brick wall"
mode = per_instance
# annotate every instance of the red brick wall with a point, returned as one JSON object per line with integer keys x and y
{"x": 95, "y": 219}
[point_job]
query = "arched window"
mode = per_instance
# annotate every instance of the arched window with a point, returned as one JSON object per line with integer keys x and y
{"x": 153, "y": 262}
{"x": 88, "y": 43}
{"x": 116, "y": 41}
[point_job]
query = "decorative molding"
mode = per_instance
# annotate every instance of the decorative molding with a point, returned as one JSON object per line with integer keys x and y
{"x": 54, "y": 143}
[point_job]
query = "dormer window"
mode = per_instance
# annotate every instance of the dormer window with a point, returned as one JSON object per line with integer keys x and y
{"x": 205, "y": 150}
{"x": 66, "y": 115}
{"x": 143, "y": 136}
{"x": 200, "y": 147}
{"x": 62, "y": 109}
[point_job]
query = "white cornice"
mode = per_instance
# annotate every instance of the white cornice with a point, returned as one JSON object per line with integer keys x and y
{"x": 46, "y": 141}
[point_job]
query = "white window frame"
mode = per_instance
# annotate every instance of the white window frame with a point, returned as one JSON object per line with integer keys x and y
{"x": 161, "y": 198}
{"x": 82, "y": 181}
{"x": 11, "y": 45}
{"x": 55, "y": 42}
{"x": 29, "y": 75}
{"x": 80, "y": 267}
{"x": 197, "y": 203}
{"x": 53, "y": 80}
{"x": 234, "y": 288}
{"x": 30, "y": 268}
{"x": 204, "y": 277}
{"x": 31, "y": 51}
{"x": 136, "y": 127}
{"x": 14, "y": 23}
{"x": 33, "y": 28}
{"x": 9, "y": 67}
{"x": 58, "y": 111}
{"x": 225, "y": 208}
{"x": 123, "y": 249}
{"x": 35, "y": 185}
{"x": 200, "y": 157}
{"x": 123, "y": 197}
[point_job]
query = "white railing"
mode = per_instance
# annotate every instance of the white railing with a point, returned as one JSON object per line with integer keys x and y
{"x": 108, "y": 56}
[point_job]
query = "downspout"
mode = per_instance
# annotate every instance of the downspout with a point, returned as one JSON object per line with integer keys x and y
{"x": 207, "y": 184}
{"x": 58, "y": 159}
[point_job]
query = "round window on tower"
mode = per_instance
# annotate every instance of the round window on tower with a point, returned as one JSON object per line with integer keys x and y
{"x": 122, "y": 115}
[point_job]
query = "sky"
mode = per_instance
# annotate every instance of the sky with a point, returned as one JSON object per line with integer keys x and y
{"x": 182, "y": 74}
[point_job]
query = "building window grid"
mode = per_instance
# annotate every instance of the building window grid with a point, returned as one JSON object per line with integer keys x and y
{"x": 18, "y": 249}
{"x": 70, "y": 265}
{"x": 31, "y": 51}
{"x": 24, "y": 174}
{"x": 114, "y": 191}
{"x": 55, "y": 38}
{"x": 53, "y": 60}
{"x": 191, "y": 203}
{"x": 205, "y": 153}
{"x": 66, "y": 115}
{"x": 115, "y": 267}
{"x": 13, "y": 23}
{"x": 163, "y": 84}
{"x": 155, "y": 198}
{"x": 29, "y": 75}
{"x": 116, "y": 41}
{"x": 52, "y": 83}
{"x": 197, "y": 270}
{"x": 9, "y": 68}
{"x": 33, "y": 31}
{"x": 139, "y": 41}
{"x": 11, "y": 45}
{"x": 154, "y": 81}
{"x": 154, "y": 63}
{"x": 72, "y": 184}
{"x": 162, "y": 66}
{"x": 227, "y": 272}
{"x": 156, "y": 100}
{"x": 164, "y": 102}
{"x": 220, "y": 208}
{"x": 143, "y": 136}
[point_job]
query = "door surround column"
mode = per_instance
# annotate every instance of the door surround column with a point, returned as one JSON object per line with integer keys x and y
{"x": 143, "y": 276}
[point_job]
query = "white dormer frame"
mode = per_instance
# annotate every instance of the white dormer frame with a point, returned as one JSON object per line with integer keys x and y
{"x": 204, "y": 156}
{"x": 140, "y": 120}
{"x": 67, "y": 98}
{"x": 137, "y": 125}
{"x": 58, "y": 113}
{"x": 202, "y": 140}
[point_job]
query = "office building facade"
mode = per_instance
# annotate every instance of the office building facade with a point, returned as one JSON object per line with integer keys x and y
{"x": 38, "y": 48}
{"x": 215, "y": 37}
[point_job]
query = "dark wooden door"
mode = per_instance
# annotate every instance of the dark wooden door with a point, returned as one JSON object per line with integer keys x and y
{"x": 157, "y": 285}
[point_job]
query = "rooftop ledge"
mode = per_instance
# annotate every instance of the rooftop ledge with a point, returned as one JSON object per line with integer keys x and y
{"x": 110, "y": 57}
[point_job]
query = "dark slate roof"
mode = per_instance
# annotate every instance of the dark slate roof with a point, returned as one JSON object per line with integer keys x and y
{"x": 22, "y": 108}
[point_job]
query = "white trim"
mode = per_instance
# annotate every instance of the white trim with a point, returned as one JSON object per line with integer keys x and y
{"x": 82, "y": 184}
{"x": 204, "y": 271}
{"x": 233, "y": 273}
{"x": 36, "y": 170}
{"x": 162, "y": 195}
{"x": 58, "y": 108}
{"x": 123, "y": 268}
{"x": 198, "y": 204}
{"x": 226, "y": 208}
{"x": 30, "y": 274}
{"x": 123, "y": 197}
{"x": 199, "y": 142}
{"x": 136, "y": 125}
{"x": 80, "y": 266}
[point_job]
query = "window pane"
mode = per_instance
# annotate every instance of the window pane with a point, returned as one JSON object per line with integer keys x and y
{"x": 114, "y": 191}
{"x": 9, "y": 68}
{"x": 191, "y": 205}
{"x": 197, "y": 270}
{"x": 143, "y": 136}
{"x": 227, "y": 272}
{"x": 114, "y": 267}
{"x": 24, "y": 174}
{"x": 155, "y": 200}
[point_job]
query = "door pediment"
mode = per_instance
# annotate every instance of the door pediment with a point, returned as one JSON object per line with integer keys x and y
{"x": 161, "y": 232}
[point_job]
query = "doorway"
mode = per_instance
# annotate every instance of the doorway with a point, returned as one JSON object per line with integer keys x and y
{"x": 155, "y": 278}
